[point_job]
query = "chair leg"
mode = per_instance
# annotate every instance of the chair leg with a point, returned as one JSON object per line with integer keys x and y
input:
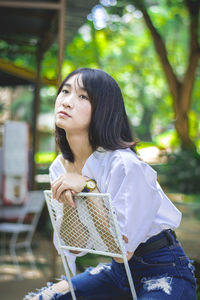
{"x": 31, "y": 257}
{"x": 3, "y": 243}
{"x": 130, "y": 280}
{"x": 66, "y": 267}
{"x": 15, "y": 261}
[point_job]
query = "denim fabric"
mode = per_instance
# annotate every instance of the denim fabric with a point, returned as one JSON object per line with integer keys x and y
{"x": 166, "y": 273}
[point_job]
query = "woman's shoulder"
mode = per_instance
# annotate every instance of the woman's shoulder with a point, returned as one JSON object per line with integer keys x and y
{"x": 126, "y": 162}
{"x": 119, "y": 158}
{"x": 57, "y": 165}
{"x": 124, "y": 156}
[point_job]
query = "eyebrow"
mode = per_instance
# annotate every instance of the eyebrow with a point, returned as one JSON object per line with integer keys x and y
{"x": 80, "y": 87}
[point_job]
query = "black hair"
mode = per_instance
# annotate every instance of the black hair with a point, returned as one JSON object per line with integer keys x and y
{"x": 109, "y": 127}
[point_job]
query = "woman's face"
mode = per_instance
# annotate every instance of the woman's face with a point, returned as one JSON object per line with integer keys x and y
{"x": 73, "y": 109}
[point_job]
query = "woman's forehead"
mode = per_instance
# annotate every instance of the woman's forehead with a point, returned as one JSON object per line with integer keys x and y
{"x": 75, "y": 81}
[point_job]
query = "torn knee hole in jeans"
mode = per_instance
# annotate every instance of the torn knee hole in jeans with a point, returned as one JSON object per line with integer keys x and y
{"x": 99, "y": 268}
{"x": 163, "y": 283}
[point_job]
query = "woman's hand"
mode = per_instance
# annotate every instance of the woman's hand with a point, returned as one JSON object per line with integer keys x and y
{"x": 65, "y": 186}
{"x": 67, "y": 198}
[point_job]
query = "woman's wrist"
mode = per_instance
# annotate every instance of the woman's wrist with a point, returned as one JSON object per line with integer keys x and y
{"x": 90, "y": 186}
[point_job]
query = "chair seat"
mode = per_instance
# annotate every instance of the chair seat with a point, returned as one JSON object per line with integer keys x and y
{"x": 14, "y": 227}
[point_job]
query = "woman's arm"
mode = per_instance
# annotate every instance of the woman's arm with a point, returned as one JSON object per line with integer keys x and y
{"x": 65, "y": 196}
{"x": 70, "y": 183}
{"x": 64, "y": 188}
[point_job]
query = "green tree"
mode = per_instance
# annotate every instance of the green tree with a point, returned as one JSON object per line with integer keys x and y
{"x": 181, "y": 87}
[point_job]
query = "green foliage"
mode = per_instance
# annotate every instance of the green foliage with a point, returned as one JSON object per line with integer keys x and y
{"x": 167, "y": 139}
{"x": 124, "y": 49}
{"x": 21, "y": 55}
{"x": 45, "y": 157}
{"x": 21, "y": 108}
{"x": 182, "y": 173}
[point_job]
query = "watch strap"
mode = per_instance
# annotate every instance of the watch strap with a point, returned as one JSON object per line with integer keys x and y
{"x": 85, "y": 190}
{"x": 88, "y": 189}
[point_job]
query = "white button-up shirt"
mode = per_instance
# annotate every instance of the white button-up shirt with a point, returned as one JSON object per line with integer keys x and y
{"x": 141, "y": 206}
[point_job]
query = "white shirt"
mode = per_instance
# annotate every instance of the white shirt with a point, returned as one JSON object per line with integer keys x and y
{"x": 141, "y": 206}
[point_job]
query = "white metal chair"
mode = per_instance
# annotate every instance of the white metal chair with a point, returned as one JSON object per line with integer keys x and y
{"x": 33, "y": 206}
{"x": 91, "y": 227}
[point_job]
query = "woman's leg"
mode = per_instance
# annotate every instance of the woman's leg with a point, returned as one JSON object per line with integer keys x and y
{"x": 167, "y": 288}
{"x": 166, "y": 273}
{"x": 97, "y": 283}
{"x": 51, "y": 291}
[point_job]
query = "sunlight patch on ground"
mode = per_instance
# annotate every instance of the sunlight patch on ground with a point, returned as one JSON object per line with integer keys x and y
{"x": 9, "y": 272}
{"x": 150, "y": 154}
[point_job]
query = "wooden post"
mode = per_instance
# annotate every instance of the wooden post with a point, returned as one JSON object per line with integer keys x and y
{"x": 61, "y": 48}
{"x": 36, "y": 108}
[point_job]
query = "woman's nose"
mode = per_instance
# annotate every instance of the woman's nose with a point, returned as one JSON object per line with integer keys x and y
{"x": 68, "y": 101}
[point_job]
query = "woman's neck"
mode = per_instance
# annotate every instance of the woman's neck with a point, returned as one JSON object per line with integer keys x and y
{"x": 80, "y": 147}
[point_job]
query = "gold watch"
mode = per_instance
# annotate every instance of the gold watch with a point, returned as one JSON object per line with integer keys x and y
{"x": 90, "y": 185}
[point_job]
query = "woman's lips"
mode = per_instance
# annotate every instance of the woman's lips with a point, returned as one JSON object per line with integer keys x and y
{"x": 63, "y": 113}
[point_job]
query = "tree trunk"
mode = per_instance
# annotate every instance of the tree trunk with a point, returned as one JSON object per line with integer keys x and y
{"x": 182, "y": 128}
{"x": 181, "y": 90}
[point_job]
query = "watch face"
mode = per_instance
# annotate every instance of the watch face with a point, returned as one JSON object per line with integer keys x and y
{"x": 91, "y": 184}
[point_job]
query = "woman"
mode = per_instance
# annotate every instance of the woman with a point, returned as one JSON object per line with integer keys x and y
{"x": 98, "y": 155}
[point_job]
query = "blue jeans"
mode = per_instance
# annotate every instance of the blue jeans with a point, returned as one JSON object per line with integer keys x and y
{"x": 162, "y": 274}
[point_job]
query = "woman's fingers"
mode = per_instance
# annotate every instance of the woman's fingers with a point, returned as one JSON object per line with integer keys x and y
{"x": 125, "y": 238}
{"x": 60, "y": 190}
{"x": 69, "y": 181}
{"x": 67, "y": 198}
{"x": 54, "y": 186}
{"x": 59, "y": 186}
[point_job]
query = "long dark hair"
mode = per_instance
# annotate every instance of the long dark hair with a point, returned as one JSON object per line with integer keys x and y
{"x": 109, "y": 127}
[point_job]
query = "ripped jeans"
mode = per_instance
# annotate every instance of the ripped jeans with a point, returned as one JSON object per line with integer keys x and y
{"x": 162, "y": 274}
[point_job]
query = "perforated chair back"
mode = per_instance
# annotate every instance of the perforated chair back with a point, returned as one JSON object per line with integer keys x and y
{"x": 91, "y": 227}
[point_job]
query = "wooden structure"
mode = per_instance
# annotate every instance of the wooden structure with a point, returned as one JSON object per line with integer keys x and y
{"x": 31, "y": 27}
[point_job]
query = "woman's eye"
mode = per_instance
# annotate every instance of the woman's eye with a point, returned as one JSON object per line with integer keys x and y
{"x": 84, "y": 97}
{"x": 65, "y": 91}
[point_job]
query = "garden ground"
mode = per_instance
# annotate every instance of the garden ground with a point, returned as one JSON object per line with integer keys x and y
{"x": 13, "y": 289}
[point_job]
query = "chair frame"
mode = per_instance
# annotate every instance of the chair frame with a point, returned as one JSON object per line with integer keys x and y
{"x": 61, "y": 248}
{"x": 28, "y": 229}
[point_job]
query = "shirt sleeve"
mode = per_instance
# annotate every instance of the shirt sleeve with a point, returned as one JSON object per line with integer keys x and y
{"x": 136, "y": 200}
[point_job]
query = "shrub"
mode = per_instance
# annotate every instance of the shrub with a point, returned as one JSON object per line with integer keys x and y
{"x": 182, "y": 172}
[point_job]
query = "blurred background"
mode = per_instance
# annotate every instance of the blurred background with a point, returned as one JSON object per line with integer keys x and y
{"x": 152, "y": 49}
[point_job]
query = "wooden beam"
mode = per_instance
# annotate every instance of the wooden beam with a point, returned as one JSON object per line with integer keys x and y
{"x": 30, "y": 4}
{"x": 11, "y": 68}
{"x": 19, "y": 41}
{"x": 61, "y": 37}
{"x": 18, "y": 51}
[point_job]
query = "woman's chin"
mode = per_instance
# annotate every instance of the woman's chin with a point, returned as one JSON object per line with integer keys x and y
{"x": 59, "y": 123}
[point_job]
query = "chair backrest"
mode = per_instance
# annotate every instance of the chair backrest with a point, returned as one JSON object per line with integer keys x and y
{"x": 90, "y": 227}
{"x": 34, "y": 205}
{"x": 35, "y": 201}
